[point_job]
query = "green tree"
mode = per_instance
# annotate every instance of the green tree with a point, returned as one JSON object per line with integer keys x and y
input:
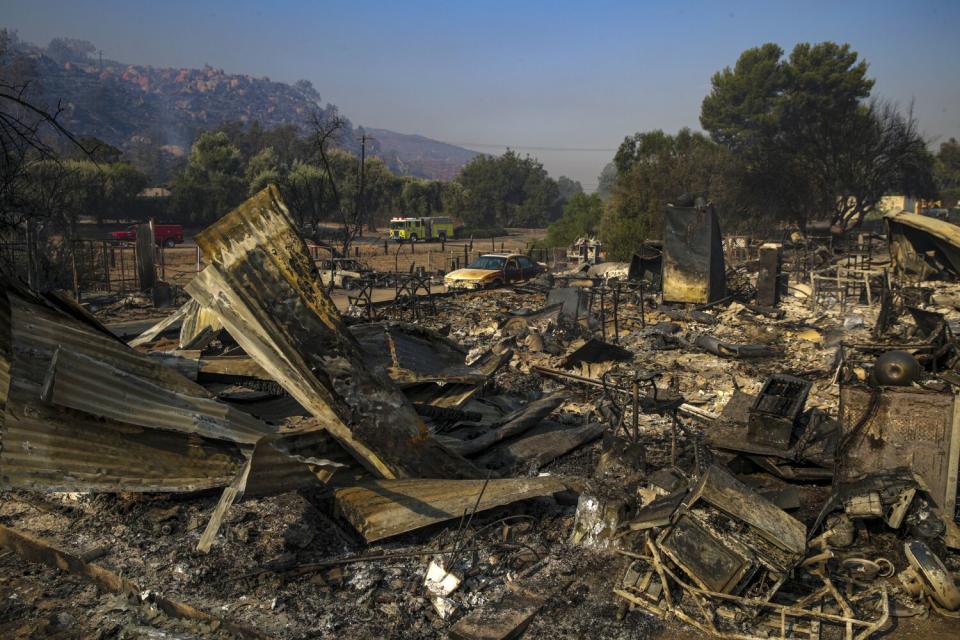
{"x": 947, "y": 172}
{"x": 305, "y": 192}
{"x": 807, "y": 142}
{"x": 653, "y": 169}
{"x": 122, "y": 183}
{"x": 212, "y": 182}
{"x": 382, "y": 191}
{"x": 581, "y": 218}
{"x": 568, "y": 187}
{"x": 606, "y": 181}
{"x": 508, "y": 191}
{"x": 262, "y": 169}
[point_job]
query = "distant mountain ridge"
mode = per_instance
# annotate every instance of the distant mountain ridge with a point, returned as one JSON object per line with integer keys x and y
{"x": 129, "y": 106}
{"x": 416, "y": 155}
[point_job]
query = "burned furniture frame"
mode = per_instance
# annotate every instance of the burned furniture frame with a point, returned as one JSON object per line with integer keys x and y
{"x": 661, "y": 592}
{"x": 362, "y": 298}
{"x": 408, "y": 298}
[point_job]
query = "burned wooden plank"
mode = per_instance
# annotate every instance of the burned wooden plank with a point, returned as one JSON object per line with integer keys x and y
{"x": 264, "y": 288}
{"x": 504, "y": 620}
{"x": 541, "y": 445}
{"x": 145, "y": 255}
{"x": 510, "y": 426}
{"x": 385, "y": 508}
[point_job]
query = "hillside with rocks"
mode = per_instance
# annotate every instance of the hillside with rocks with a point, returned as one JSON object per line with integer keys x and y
{"x": 146, "y": 110}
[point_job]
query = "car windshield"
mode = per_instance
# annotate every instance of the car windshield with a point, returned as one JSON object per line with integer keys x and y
{"x": 488, "y": 262}
{"x": 398, "y": 225}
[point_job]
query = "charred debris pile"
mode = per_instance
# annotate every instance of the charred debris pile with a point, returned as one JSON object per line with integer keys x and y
{"x": 754, "y": 441}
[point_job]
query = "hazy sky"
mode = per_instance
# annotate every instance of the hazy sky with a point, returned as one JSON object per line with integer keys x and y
{"x": 563, "y": 81}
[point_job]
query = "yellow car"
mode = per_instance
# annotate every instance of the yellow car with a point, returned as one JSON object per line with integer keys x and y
{"x": 494, "y": 270}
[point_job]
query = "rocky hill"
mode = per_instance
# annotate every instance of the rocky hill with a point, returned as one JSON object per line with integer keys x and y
{"x": 132, "y": 106}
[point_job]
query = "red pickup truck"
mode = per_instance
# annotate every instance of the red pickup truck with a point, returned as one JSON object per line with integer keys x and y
{"x": 168, "y": 235}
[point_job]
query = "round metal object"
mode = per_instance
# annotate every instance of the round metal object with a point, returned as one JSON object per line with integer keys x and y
{"x": 862, "y": 569}
{"x": 937, "y": 581}
{"x": 896, "y": 369}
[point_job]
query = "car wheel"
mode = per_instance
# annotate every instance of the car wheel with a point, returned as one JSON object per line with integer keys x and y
{"x": 413, "y": 237}
{"x": 443, "y": 236}
{"x": 169, "y": 243}
{"x": 496, "y": 283}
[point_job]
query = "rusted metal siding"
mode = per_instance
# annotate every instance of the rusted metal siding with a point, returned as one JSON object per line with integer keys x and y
{"x": 414, "y": 355}
{"x": 263, "y": 286}
{"x": 79, "y": 382}
{"x": 37, "y": 331}
{"x": 47, "y": 447}
{"x": 915, "y": 428}
{"x": 296, "y": 461}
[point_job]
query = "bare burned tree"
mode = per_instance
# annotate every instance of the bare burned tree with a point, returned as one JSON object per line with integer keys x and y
{"x": 26, "y": 132}
{"x": 327, "y": 133}
{"x": 31, "y": 176}
{"x": 883, "y": 153}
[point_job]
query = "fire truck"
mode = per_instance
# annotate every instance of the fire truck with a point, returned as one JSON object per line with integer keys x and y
{"x": 415, "y": 229}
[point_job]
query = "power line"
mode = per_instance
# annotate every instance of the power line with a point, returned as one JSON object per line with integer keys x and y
{"x": 528, "y": 148}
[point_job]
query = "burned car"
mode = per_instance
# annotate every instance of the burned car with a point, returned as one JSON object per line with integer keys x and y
{"x": 494, "y": 270}
{"x": 344, "y": 273}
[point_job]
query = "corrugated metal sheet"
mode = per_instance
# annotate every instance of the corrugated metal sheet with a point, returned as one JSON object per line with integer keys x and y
{"x": 50, "y": 448}
{"x": 263, "y": 286}
{"x": 201, "y": 443}
{"x": 47, "y": 447}
{"x": 921, "y": 246}
{"x": 38, "y": 330}
{"x": 167, "y": 324}
{"x": 82, "y": 383}
{"x": 197, "y": 323}
{"x": 290, "y": 462}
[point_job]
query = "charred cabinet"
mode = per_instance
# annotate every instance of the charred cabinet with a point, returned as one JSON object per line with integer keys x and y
{"x": 693, "y": 268}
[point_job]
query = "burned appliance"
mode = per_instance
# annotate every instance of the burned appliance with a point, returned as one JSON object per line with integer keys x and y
{"x": 701, "y": 543}
{"x": 902, "y": 426}
{"x": 771, "y": 283}
{"x": 693, "y": 267}
{"x": 776, "y": 409}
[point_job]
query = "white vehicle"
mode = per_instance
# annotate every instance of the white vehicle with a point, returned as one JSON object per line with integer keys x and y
{"x": 344, "y": 272}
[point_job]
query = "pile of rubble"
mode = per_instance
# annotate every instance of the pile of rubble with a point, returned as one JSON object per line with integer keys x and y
{"x": 622, "y": 452}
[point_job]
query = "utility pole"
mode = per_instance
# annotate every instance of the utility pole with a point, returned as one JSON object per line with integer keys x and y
{"x": 362, "y": 204}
